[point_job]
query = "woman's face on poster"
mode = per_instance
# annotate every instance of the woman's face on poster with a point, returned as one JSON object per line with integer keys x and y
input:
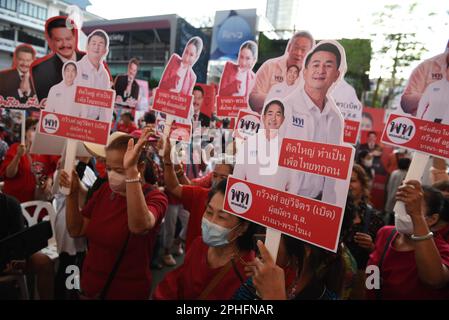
{"x": 246, "y": 59}
{"x": 189, "y": 55}
{"x": 69, "y": 74}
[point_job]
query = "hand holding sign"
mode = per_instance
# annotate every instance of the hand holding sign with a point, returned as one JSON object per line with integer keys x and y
{"x": 269, "y": 279}
{"x": 72, "y": 184}
{"x": 411, "y": 194}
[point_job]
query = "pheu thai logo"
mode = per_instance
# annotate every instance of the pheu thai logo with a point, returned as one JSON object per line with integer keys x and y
{"x": 401, "y": 130}
{"x": 240, "y": 198}
{"x": 249, "y": 125}
{"x": 50, "y": 123}
{"x": 298, "y": 122}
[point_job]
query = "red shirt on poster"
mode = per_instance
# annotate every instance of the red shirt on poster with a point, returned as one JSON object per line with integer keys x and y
{"x": 106, "y": 233}
{"x": 22, "y": 186}
{"x": 194, "y": 200}
{"x": 399, "y": 273}
{"x": 189, "y": 280}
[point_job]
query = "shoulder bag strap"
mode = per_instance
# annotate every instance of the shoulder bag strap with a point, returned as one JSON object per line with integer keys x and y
{"x": 214, "y": 282}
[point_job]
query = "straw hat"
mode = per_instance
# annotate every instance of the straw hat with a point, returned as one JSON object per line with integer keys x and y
{"x": 98, "y": 150}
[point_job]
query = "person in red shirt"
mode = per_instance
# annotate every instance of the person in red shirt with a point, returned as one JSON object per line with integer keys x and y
{"x": 193, "y": 198}
{"x": 25, "y": 174}
{"x": 214, "y": 267}
{"x": 442, "y": 226}
{"x": 414, "y": 267}
{"x": 127, "y": 124}
{"x": 122, "y": 208}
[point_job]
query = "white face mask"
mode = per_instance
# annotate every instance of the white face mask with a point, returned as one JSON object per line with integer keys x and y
{"x": 117, "y": 182}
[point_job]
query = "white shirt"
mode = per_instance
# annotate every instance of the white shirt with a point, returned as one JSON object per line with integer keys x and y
{"x": 61, "y": 100}
{"x": 64, "y": 242}
{"x": 257, "y": 162}
{"x": 347, "y": 101}
{"x": 434, "y": 103}
{"x": 305, "y": 121}
{"x": 89, "y": 76}
{"x": 280, "y": 91}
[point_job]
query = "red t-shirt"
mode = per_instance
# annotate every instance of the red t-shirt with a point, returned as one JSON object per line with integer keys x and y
{"x": 23, "y": 184}
{"x": 106, "y": 233}
{"x": 204, "y": 182}
{"x": 189, "y": 280}
{"x": 194, "y": 200}
{"x": 444, "y": 233}
{"x": 399, "y": 273}
{"x": 126, "y": 128}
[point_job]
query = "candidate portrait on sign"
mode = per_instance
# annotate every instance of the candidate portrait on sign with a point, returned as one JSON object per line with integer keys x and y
{"x": 179, "y": 76}
{"x": 238, "y": 79}
{"x": 61, "y": 96}
{"x": 312, "y": 114}
{"x": 92, "y": 72}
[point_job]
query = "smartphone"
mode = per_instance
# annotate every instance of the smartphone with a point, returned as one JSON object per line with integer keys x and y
{"x": 256, "y": 237}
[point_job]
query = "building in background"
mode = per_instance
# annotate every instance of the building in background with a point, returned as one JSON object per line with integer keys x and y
{"x": 152, "y": 40}
{"x": 24, "y": 21}
{"x": 283, "y": 15}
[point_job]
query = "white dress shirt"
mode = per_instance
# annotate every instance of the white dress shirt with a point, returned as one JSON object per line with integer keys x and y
{"x": 61, "y": 99}
{"x": 434, "y": 102}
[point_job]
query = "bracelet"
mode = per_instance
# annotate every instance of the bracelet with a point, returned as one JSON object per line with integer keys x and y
{"x": 421, "y": 238}
{"x": 132, "y": 180}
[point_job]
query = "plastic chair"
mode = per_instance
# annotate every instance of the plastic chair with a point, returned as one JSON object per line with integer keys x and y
{"x": 40, "y": 205}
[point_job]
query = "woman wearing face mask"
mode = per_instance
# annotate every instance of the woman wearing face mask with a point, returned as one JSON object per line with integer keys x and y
{"x": 366, "y": 160}
{"x": 213, "y": 268}
{"x": 120, "y": 222}
{"x": 239, "y": 79}
{"x": 416, "y": 266}
{"x": 27, "y": 175}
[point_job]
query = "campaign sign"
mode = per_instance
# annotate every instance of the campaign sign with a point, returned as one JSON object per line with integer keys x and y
{"x": 247, "y": 125}
{"x": 175, "y": 104}
{"x": 322, "y": 159}
{"x": 420, "y": 135}
{"x": 76, "y": 128}
{"x": 309, "y": 220}
{"x": 351, "y": 131}
{"x": 229, "y": 107}
{"x": 181, "y": 132}
{"x": 94, "y": 97}
{"x": 160, "y": 126}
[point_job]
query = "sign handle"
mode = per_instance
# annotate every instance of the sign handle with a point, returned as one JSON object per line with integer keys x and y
{"x": 403, "y": 221}
{"x": 272, "y": 241}
{"x": 23, "y": 127}
{"x": 69, "y": 160}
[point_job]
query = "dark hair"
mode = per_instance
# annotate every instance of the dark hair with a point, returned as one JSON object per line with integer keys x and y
{"x": 361, "y": 155}
{"x": 30, "y": 122}
{"x": 129, "y": 115}
{"x": 245, "y": 241}
{"x": 434, "y": 200}
{"x": 363, "y": 178}
{"x": 24, "y": 48}
{"x": 58, "y": 23}
{"x": 327, "y": 47}
{"x": 404, "y": 163}
{"x": 372, "y": 132}
{"x": 442, "y": 185}
{"x": 251, "y": 46}
{"x": 197, "y": 42}
{"x": 277, "y": 102}
{"x": 149, "y": 117}
{"x": 100, "y": 34}
{"x": 134, "y": 61}
{"x": 71, "y": 63}
{"x": 294, "y": 66}
{"x": 198, "y": 88}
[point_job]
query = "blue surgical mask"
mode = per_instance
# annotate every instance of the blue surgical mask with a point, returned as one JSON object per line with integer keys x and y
{"x": 215, "y": 235}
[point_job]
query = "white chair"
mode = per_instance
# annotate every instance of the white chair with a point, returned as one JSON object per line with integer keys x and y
{"x": 40, "y": 205}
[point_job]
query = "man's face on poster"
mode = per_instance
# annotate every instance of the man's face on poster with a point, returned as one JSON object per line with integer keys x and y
{"x": 292, "y": 75}
{"x": 132, "y": 70}
{"x": 62, "y": 41}
{"x": 246, "y": 59}
{"x": 69, "y": 74}
{"x": 197, "y": 100}
{"x": 273, "y": 117}
{"x": 321, "y": 71}
{"x": 24, "y": 61}
{"x": 297, "y": 50}
{"x": 96, "y": 48}
{"x": 189, "y": 55}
